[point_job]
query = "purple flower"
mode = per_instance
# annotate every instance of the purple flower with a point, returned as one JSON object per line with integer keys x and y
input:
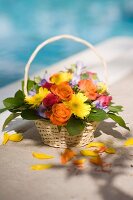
{"x": 45, "y": 79}
{"x": 42, "y": 82}
{"x": 77, "y": 73}
{"x": 32, "y": 92}
{"x": 41, "y": 111}
{"x": 79, "y": 67}
{"x": 75, "y": 80}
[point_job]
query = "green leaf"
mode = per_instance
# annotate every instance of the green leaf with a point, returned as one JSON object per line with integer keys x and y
{"x": 97, "y": 115}
{"x": 84, "y": 76}
{"x": 76, "y": 89}
{"x": 30, "y": 115}
{"x": 75, "y": 126}
{"x": 30, "y": 85}
{"x": 36, "y": 87}
{"x": 115, "y": 109}
{"x": 118, "y": 120}
{"x": 10, "y": 103}
{"x": 9, "y": 119}
{"x": 19, "y": 95}
{"x": 2, "y": 110}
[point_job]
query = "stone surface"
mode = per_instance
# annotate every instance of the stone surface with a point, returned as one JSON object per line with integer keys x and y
{"x": 18, "y": 181}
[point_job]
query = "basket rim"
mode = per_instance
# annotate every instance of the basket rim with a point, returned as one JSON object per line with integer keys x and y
{"x": 48, "y": 122}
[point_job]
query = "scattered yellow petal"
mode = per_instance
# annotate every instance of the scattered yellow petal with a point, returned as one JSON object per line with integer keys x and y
{"x": 41, "y": 155}
{"x": 128, "y": 142}
{"x": 41, "y": 166}
{"x": 96, "y": 161}
{"x": 95, "y": 144}
{"x": 5, "y": 138}
{"x": 88, "y": 153}
{"x": 16, "y": 137}
{"x": 110, "y": 150}
{"x": 67, "y": 155}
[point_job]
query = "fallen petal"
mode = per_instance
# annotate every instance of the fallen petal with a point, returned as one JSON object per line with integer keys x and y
{"x": 5, "y": 138}
{"x": 110, "y": 150}
{"x": 79, "y": 162}
{"x": 41, "y": 166}
{"x": 89, "y": 153}
{"x": 67, "y": 155}
{"x": 95, "y": 144}
{"x": 16, "y": 137}
{"x": 96, "y": 161}
{"x": 102, "y": 149}
{"x": 128, "y": 142}
{"x": 41, "y": 155}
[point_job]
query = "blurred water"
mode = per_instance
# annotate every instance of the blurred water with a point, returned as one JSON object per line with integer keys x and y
{"x": 25, "y": 24}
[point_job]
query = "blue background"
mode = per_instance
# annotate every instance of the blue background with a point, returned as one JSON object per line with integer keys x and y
{"x": 26, "y": 23}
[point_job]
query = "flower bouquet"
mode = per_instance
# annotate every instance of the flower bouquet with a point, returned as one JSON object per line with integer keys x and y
{"x": 66, "y": 107}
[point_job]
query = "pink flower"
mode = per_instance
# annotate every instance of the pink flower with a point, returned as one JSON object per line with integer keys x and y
{"x": 102, "y": 102}
{"x": 50, "y": 100}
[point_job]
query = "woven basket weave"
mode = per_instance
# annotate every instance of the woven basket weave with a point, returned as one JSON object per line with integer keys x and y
{"x": 51, "y": 136}
{"x": 49, "y": 132}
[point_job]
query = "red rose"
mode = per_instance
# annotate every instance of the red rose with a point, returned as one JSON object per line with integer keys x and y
{"x": 47, "y": 85}
{"x": 50, "y": 100}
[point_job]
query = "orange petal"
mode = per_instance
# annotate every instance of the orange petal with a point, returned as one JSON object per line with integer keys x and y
{"x": 79, "y": 162}
{"x": 67, "y": 155}
{"x": 96, "y": 161}
{"x": 102, "y": 149}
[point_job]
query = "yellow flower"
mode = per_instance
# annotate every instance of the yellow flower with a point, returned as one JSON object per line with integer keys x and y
{"x": 61, "y": 77}
{"x": 102, "y": 88}
{"x": 78, "y": 106}
{"x": 37, "y": 98}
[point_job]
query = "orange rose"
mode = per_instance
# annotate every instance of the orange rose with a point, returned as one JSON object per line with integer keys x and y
{"x": 89, "y": 88}
{"x": 60, "y": 114}
{"x": 63, "y": 91}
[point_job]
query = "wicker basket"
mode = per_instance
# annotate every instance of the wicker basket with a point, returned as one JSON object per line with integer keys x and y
{"x": 49, "y": 132}
{"x": 52, "y": 137}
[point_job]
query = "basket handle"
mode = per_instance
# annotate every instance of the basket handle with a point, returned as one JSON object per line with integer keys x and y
{"x": 50, "y": 40}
